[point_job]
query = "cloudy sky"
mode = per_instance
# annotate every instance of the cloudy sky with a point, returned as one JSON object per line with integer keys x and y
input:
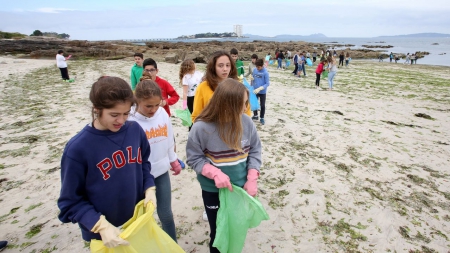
{"x": 145, "y": 19}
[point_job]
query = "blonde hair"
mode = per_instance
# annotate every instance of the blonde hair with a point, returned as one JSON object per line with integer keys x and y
{"x": 225, "y": 110}
{"x": 186, "y": 67}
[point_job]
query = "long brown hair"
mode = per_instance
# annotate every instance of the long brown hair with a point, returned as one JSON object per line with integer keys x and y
{"x": 211, "y": 75}
{"x": 225, "y": 110}
{"x": 186, "y": 67}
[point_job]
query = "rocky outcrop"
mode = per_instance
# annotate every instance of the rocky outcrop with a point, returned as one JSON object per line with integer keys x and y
{"x": 44, "y": 47}
{"x": 39, "y": 47}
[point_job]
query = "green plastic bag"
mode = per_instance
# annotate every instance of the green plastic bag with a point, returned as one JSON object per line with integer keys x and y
{"x": 325, "y": 74}
{"x": 237, "y": 213}
{"x": 185, "y": 117}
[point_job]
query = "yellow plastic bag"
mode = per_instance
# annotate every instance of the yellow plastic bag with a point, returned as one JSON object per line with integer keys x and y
{"x": 143, "y": 234}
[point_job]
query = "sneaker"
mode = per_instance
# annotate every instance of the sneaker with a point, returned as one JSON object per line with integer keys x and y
{"x": 255, "y": 118}
{"x": 3, "y": 245}
{"x": 205, "y": 216}
{"x": 182, "y": 164}
{"x": 262, "y": 121}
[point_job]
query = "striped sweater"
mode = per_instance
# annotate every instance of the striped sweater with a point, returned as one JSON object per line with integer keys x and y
{"x": 205, "y": 146}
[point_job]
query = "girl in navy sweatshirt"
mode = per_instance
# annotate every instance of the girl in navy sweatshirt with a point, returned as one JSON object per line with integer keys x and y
{"x": 105, "y": 169}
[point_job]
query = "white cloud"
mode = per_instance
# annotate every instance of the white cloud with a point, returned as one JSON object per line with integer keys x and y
{"x": 52, "y": 10}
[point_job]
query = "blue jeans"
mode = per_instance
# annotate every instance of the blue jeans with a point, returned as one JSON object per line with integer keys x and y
{"x": 164, "y": 204}
{"x": 331, "y": 75}
{"x": 279, "y": 62}
{"x": 304, "y": 70}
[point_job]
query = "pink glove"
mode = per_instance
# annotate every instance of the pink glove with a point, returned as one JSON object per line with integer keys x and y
{"x": 220, "y": 179}
{"x": 176, "y": 167}
{"x": 251, "y": 185}
{"x": 184, "y": 104}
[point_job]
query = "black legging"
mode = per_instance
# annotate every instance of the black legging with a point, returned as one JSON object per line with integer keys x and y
{"x": 341, "y": 62}
{"x": 317, "y": 79}
{"x": 212, "y": 204}
{"x": 190, "y": 105}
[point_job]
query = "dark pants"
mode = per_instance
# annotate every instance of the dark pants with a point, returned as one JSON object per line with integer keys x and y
{"x": 190, "y": 105}
{"x": 314, "y": 59}
{"x": 317, "y": 79}
{"x": 212, "y": 204}
{"x": 262, "y": 103}
{"x": 304, "y": 70}
{"x": 341, "y": 62}
{"x": 64, "y": 73}
{"x": 296, "y": 68}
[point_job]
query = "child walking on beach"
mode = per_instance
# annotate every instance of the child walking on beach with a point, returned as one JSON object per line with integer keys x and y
{"x": 105, "y": 169}
{"x": 223, "y": 128}
{"x": 220, "y": 67}
{"x": 189, "y": 79}
{"x": 62, "y": 65}
{"x": 332, "y": 70}
{"x": 158, "y": 128}
{"x": 169, "y": 95}
{"x": 319, "y": 70}
{"x": 260, "y": 85}
{"x": 136, "y": 70}
{"x": 239, "y": 64}
{"x": 251, "y": 66}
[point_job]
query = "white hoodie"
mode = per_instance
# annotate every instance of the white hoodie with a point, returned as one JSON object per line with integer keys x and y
{"x": 160, "y": 137}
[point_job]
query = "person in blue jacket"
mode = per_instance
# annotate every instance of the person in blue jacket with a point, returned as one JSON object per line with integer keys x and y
{"x": 105, "y": 169}
{"x": 260, "y": 84}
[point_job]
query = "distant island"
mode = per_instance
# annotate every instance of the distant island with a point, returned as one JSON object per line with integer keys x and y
{"x": 209, "y": 35}
{"x": 422, "y": 35}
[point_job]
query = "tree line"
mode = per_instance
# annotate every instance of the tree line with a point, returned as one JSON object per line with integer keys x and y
{"x": 50, "y": 34}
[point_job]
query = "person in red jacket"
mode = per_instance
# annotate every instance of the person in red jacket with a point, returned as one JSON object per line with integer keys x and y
{"x": 319, "y": 70}
{"x": 169, "y": 95}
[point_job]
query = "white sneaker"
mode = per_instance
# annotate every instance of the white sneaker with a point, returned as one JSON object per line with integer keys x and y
{"x": 205, "y": 217}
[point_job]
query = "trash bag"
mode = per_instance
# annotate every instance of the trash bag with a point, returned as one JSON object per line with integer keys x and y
{"x": 233, "y": 223}
{"x": 143, "y": 234}
{"x": 253, "y": 100}
{"x": 325, "y": 74}
{"x": 185, "y": 117}
{"x": 288, "y": 63}
{"x": 270, "y": 62}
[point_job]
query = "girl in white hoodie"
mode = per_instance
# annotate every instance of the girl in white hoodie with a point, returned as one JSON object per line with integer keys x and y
{"x": 157, "y": 126}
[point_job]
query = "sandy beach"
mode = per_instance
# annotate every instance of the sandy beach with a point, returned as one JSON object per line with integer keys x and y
{"x": 362, "y": 168}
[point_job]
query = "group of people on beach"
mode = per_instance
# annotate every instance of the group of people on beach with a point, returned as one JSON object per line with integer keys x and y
{"x": 409, "y": 58}
{"x": 124, "y": 155}
{"x": 327, "y": 66}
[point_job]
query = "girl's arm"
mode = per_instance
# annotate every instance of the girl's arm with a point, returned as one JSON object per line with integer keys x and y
{"x": 199, "y": 104}
{"x": 185, "y": 91}
{"x": 173, "y": 96}
{"x": 73, "y": 203}
{"x": 194, "y": 148}
{"x": 254, "y": 154}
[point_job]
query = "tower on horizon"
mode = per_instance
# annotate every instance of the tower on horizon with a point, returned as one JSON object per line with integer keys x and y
{"x": 238, "y": 30}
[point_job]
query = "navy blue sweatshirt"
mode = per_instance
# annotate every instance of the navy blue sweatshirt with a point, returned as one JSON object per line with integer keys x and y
{"x": 104, "y": 173}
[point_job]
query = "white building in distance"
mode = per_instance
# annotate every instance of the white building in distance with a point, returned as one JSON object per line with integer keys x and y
{"x": 238, "y": 30}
